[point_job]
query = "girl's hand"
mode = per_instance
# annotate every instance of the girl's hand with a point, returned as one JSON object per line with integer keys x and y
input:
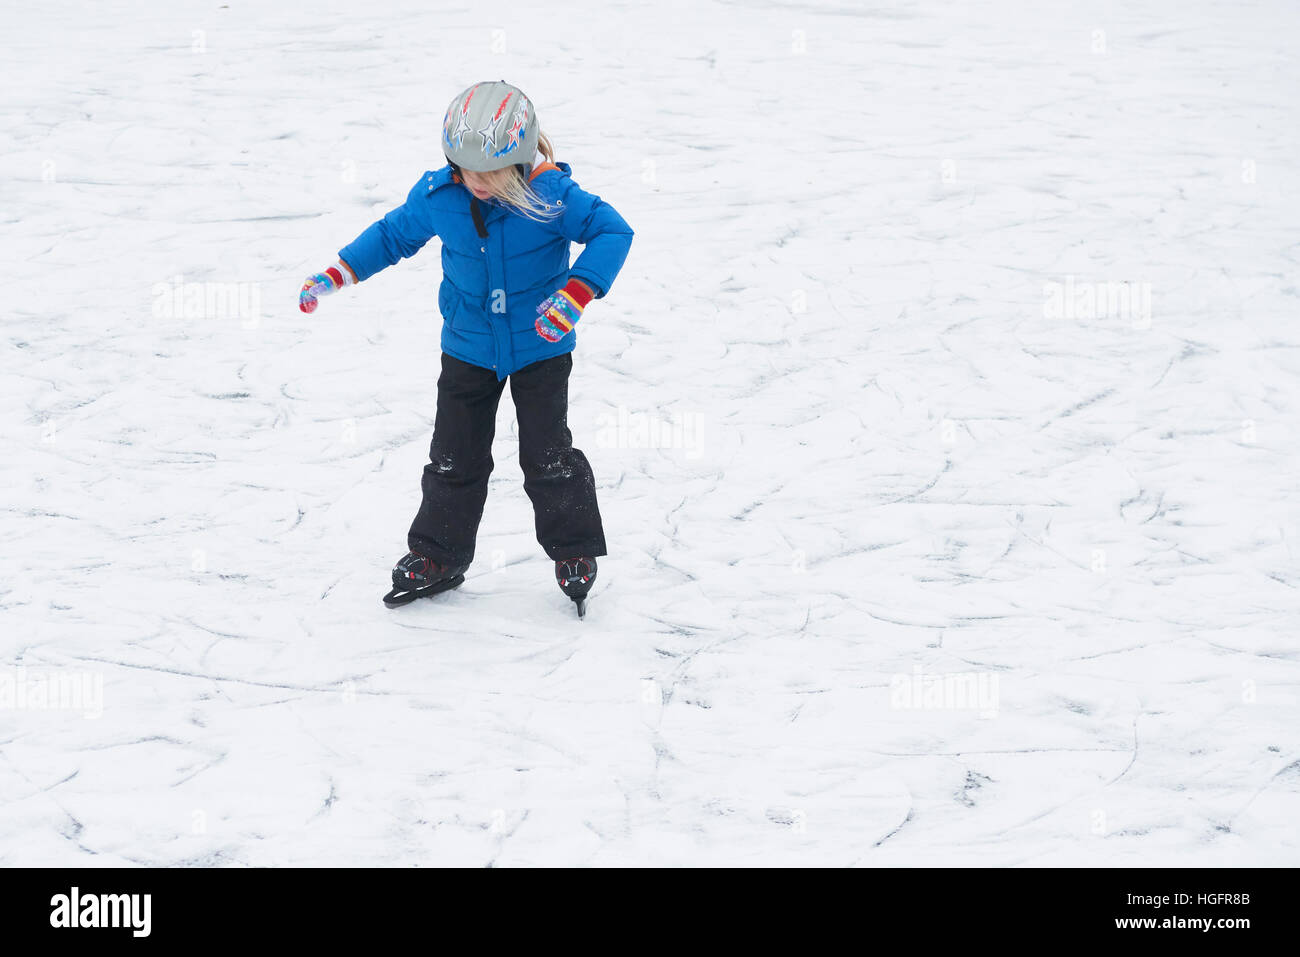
{"x": 322, "y": 284}
{"x": 559, "y": 312}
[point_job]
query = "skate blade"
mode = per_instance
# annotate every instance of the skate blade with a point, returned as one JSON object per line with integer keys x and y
{"x": 399, "y": 596}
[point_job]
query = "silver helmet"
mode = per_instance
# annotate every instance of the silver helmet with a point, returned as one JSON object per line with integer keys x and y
{"x": 490, "y": 126}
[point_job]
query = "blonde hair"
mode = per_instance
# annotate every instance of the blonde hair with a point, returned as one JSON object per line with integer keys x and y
{"x": 512, "y": 188}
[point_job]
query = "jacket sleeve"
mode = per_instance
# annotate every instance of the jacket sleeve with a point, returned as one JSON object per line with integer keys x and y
{"x": 399, "y": 235}
{"x": 589, "y": 220}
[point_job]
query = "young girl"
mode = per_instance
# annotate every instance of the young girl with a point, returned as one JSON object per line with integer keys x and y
{"x": 509, "y": 302}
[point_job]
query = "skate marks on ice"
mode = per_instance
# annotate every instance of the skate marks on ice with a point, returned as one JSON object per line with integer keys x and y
{"x": 913, "y": 563}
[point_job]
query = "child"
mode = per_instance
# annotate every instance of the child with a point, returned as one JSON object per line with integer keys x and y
{"x": 509, "y": 301}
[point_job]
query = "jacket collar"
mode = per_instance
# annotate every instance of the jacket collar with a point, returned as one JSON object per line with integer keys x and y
{"x": 490, "y": 208}
{"x": 438, "y": 178}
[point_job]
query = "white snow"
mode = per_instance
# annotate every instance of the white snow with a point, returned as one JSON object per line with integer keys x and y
{"x": 844, "y": 443}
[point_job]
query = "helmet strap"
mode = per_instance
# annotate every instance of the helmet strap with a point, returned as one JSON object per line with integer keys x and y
{"x": 476, "y": 211}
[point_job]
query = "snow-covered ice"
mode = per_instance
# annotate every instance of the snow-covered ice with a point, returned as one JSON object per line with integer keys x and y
{"x": 944, "y": 420}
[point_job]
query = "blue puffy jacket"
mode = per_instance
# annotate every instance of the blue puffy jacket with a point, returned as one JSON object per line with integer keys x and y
{"x": 491, "y": 285}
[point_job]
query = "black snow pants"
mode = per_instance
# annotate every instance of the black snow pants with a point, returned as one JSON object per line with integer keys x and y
{"x": 557, "y": 477}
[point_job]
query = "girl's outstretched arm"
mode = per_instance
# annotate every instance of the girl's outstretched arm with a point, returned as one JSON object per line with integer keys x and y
{"x": 399, "y": 235}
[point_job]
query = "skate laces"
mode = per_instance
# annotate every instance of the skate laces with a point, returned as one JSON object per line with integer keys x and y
{"x": 574, "y": 569}
{"x": 415, "y": 565}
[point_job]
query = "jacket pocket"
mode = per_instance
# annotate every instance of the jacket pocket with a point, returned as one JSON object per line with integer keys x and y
{"x": 448, "y": 305}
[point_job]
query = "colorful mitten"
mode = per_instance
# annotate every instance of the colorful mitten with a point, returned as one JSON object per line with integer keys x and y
{"x": 558, "y": 313}
{"x": 322, "y": 284}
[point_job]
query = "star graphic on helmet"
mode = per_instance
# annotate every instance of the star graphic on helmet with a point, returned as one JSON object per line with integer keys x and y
{"x": 516, "y": 129}
{"x": 489, "y": 133}
{"x": 462, "y": 128}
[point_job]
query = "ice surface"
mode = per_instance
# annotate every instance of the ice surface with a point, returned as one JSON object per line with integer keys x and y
{"x": 909, "y": 566}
